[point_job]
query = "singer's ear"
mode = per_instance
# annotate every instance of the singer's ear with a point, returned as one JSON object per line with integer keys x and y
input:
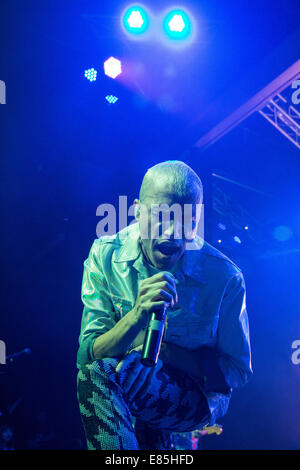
{"x": 137, "y": 209}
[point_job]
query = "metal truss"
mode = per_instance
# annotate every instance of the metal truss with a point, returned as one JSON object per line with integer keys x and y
{"x": 272, "y": 102}
{"x": 284, "y": 116}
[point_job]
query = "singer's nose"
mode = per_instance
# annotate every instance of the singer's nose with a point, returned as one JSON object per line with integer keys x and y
{"x": 172, "y": 230}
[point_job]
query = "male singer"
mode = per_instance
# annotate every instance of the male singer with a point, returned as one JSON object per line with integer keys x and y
{"x": 205, "y": 352}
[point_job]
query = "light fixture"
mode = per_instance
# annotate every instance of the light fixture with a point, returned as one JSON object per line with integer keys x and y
{"x": 112, "y": 67}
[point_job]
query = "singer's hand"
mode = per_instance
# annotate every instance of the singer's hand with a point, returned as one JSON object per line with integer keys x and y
{"x": 134, "y": 377}
{"x": 155, "y": 292}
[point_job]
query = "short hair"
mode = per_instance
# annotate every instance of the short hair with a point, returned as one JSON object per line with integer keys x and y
{"x": 185, "y": 182}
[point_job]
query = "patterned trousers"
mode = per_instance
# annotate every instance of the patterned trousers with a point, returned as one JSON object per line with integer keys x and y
{"x": 172, "y": 403}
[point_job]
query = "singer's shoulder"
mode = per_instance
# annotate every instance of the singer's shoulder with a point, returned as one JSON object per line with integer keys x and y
{"x": 215, "y": 259}
{"x": 125, "y": 239}
{"x": 127, "y": 234}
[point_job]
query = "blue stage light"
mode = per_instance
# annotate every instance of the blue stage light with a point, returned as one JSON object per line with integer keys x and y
{"x": 237, "y": 239}
{"x": 91, "y": 74}
{"x": 135, "y": 20}
{"x": 282, "y": 233}
{"x": 111, "y": 99}
{"x": 177, "y": 24}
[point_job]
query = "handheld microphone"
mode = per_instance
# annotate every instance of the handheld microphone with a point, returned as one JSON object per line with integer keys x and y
{"x": 153, "y": 337}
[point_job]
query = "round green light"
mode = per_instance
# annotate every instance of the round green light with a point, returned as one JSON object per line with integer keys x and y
{"x": 177, "y": 24}
{"x": 135, "y": 20}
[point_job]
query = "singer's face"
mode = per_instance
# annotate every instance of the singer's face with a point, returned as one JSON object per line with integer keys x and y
{"x": 166, "y": 224}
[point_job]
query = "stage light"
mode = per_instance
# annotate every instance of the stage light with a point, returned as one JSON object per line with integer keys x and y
{"x": 91, "y": 74}
{"x": 237, "y": 239}
{"x": 177, "y": 24}
{"x": 246, "y": 227}
{"x": 111, "y": 99}
{"x": 219, "y": 241}
{"x": 282, "y": 233}
{"x": 221, "y": 226}
{"x": 112, "y": 67}
{"x": 135, "y": 20}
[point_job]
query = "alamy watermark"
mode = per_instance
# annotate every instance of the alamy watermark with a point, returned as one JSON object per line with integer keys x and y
{"x": 156, "y": 221}
{"x": 296, "y": 353}
{"x": 2, "y": 352}
{"x": 296, "y": 94}
{"x": 2, "y": 92}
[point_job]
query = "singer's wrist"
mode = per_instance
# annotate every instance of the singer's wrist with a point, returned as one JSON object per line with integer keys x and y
{"x": 135, "y": 318}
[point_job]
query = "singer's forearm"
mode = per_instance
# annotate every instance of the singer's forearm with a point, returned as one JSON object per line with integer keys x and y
{"x": 115, "y": 342}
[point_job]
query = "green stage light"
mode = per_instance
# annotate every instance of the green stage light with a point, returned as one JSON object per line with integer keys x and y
{"x": 177, "y": 25}
{"x": 135, "y": 20}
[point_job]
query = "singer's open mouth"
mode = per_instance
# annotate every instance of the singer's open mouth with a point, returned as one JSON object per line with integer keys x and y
{"x": 168, "y": 249}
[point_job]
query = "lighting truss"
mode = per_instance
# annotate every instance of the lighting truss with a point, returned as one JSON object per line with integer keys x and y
{"x": 272, "y": 102}
{"x": 284, "y": 117}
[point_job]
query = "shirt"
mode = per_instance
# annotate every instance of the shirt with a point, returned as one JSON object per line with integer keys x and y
{"x": 210, "y": 313}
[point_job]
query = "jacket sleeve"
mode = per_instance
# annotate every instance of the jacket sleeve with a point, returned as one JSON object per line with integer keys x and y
{"x": 98, "y": 315}
{"x": 233, "y": 339}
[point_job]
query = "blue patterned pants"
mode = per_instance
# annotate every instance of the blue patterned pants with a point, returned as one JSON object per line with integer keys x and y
{"x": 172, "y": 403}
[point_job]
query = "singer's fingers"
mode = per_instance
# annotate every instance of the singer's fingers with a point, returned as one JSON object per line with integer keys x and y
{"x": 133, "y": 374}
{"x": 143, "y": 381}
{"x": 138, "y": 382}
{"x": 167, "y": 287}
{"x": 162, "y": 276}
{"x": 165, "y": 276}
{"x": 171, "y": 279}
{"x": 126, "y": 363}
{"x": 161, "y": 294}
{"x": 157, "y": 306}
